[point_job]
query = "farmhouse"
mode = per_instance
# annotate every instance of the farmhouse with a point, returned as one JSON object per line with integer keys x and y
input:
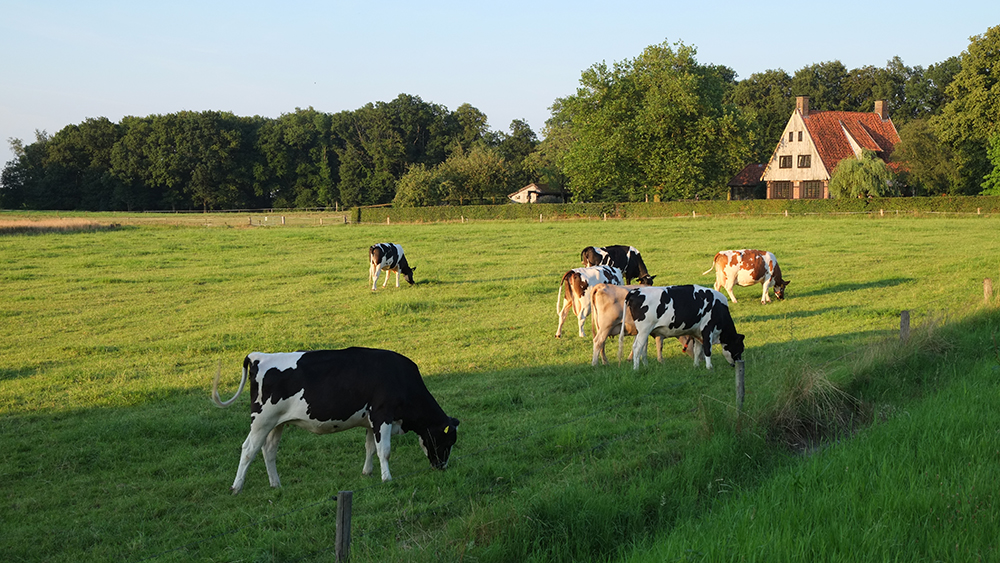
{"x": 537, "y": 193}
{"x": 815, "y": 141}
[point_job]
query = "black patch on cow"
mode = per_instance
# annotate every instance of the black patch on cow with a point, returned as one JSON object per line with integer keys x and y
{"x": 336, "y": 384}
{"x": 619, "y": 256}
{"x": 634, "y": 300}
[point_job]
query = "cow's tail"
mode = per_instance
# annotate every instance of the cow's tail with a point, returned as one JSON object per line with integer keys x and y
{"x": 621, "y": 333}
{"x": 215, "y": 388}
{"x": 709, "y": 270}
{"x": 559, "y": 297}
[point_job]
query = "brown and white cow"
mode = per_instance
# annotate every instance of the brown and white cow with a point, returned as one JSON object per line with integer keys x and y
{"x": 746, "y": 268}
{"x": 577, "y": 281}
{"x": 326, "y": 391}
{"x": 607, "y": 303}
{"x": 625, "y": 258}
{"x": 388, "y": 256}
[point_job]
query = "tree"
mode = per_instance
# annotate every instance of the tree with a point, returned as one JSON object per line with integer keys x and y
{"x": 656, "y": 125}
{"x": 927, "y": 164}
{"x": 867, "y": 176}
{"x": 970, "y": 119}
{"x": 766, "y": 99}
{"x": 823, "y": 83}
{"x": 991, "y": 184}
{"x": 514, "y": 148}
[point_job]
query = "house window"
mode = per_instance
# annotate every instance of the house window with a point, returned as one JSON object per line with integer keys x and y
{"x": 812, "y": 190}
{"x": 791, "y": 136}
{"x": 782, "y": 190}
{"x": 804, "y": 161}
{"x": 785, "y": 161}
{"x": 800, "y": 135}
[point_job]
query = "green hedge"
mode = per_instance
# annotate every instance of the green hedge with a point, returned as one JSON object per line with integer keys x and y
{"x": 554, "y": 211}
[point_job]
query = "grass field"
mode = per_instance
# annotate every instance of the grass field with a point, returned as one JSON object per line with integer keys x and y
{"x": 112, "y": 450}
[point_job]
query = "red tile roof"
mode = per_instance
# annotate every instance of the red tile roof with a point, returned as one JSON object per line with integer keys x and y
{"x": 830, "y": 130}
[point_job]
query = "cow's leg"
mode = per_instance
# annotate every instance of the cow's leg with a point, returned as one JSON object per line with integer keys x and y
{"x": 706, "y": 346}
{"x": 562, "y": 316}
{"x": 729, "y": 289}
{"x": 382, "y": 441}
{"x": 249, "y": 451}
{"x": 374, "y": 273}
{"x": 600, "y": 338}
{"x": 271, "y": 454}
{"x": 386, "y": 282}
{"x": 369, "y": 451}
{"x": 397, "y": 278}
{"x": 582, "y": 316}
{"x": 639, "y": 349}
{"x": 768, "y": 284}
{"x": 659, "y": 349}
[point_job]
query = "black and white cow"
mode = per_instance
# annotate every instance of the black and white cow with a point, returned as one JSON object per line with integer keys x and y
{"x": 677, "y": 310}
{"x": 625, "y": 258}
{"x": 326, "y": 391}
{"x": 388, "y": 256}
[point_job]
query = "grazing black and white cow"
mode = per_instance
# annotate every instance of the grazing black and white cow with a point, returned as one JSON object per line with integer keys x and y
{"x": 748, "y": 267}
{"x": 607, "y": 304}
{"x": 625, "y": 258}
{"x": 676, "y": 310}
{"x": 388, "y": 256}
{"x": 326, "y": 391}
{"x": 577, "y": 282}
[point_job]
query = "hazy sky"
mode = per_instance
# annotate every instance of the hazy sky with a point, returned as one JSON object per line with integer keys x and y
{"x": 62, "y": 62}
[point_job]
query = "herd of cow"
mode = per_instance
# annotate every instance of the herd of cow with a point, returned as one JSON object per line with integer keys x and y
{"x": 326, "y": 391}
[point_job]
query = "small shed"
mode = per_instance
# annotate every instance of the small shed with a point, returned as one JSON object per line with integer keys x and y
{"x": 537, "y": 193}
{"x": 749, "y": 183}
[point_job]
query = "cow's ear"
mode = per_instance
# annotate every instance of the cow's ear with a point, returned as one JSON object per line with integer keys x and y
{"x": 454, "y": 421}
{"x": 413, "y": 269}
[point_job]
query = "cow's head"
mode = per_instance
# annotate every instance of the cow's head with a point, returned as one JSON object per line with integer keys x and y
{"x": 645, "y": 279}
{"x": 589, "y": 257}
{"x": 732, "y": 348}
{"x": 407, "y": 273}
{"x": 779, "y": 289}
{"x": 437, "y": 442}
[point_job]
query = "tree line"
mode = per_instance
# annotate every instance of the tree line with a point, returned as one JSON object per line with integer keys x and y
{"x": 660, "y": 125}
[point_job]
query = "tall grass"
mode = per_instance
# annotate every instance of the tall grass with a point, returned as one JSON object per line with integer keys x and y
{"x": 109, "y": 340}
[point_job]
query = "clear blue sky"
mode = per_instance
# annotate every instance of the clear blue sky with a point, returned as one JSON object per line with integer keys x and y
{"x": 62, "y": 62}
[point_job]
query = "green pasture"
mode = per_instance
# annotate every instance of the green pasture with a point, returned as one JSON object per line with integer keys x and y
{"x": 110, "y": 449}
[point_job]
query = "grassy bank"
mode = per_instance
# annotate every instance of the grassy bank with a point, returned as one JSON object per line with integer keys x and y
{"x": 109, "y": 341}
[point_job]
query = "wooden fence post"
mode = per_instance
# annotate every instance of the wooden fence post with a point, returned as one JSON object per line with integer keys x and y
{"x": 987, "y": 290}
{"x": 739, "y": 384}
{"x": 342, "y": 551}
{"x": 904, "y": 326}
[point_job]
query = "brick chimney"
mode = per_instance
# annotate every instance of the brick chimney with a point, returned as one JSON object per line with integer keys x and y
{"x": 802, "y": 105}
{"x": 880, "y": 109}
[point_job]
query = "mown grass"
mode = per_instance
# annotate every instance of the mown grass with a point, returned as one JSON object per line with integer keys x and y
{"x": 109, "y": 341}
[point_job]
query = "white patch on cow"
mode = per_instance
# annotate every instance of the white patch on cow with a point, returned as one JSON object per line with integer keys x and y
{"x": 279, "y": 360}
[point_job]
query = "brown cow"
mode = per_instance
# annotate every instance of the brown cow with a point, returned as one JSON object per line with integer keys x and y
{"x": 606, "y": 303}
{"x": 746, "y": 268}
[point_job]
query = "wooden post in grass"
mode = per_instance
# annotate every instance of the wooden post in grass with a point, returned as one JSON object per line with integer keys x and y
{"x": 987, "y": 289}
{"x": 904, "y": 326}
{"x": 739, "y": 384}
{"x": 342, "y": 551}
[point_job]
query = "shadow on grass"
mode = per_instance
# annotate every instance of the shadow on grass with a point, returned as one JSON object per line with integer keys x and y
{"x": 849, "y": 287}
